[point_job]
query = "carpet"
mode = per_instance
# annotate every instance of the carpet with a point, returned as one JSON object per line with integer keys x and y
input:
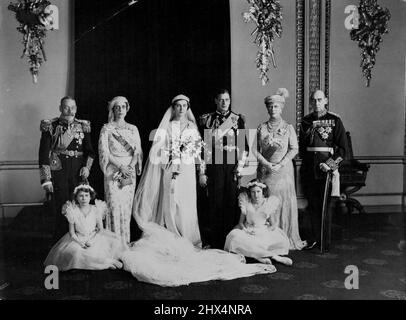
{"x": 367, "y": 245}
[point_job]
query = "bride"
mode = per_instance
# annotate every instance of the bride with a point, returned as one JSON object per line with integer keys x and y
{"x": 169, "y": 252}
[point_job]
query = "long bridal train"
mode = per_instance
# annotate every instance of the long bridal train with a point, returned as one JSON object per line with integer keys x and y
{"x": 163, "y": 258}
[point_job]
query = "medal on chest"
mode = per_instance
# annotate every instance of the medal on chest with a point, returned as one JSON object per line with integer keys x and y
{"x": 324, "y": 128}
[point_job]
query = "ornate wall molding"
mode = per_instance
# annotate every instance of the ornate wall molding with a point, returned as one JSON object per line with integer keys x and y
{"x": 327, "y": 32}
{"x": 314, "y": 52}
{"x": 19, "y": 165}
{"x": 300, "y": 62}
{"x": 313, "y": 27}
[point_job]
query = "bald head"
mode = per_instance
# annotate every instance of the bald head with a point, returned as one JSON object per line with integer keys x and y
{"x": 319, "y": 93}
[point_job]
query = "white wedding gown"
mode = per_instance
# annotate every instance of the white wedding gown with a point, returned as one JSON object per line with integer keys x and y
{"x": 163, "y": 258}
{"x": 177, "y": 203}
{"x": 169, "y": 254}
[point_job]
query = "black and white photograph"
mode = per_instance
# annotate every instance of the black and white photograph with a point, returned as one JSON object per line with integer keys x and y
{"x": 202, "y": 156}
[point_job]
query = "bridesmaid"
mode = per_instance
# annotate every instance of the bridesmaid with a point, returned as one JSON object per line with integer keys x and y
{"x": 120, "y": 160}
{"x": 87, "y": 245}
{"x": 277, "y": 146}
{"x": 256, "y": 235}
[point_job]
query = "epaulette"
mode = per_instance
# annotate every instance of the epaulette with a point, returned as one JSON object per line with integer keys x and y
{"x": 85, "y": 125}
{"x": 46, "y": 125}
{"x": 242, "y": 117}
{"x": 334, "y": 114}
{"x": 203, "y": 118}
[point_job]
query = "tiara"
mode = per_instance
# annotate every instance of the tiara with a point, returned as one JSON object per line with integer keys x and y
{"x": 180, "y": 97}
{"x": 83, "y": 186}
{"x": 257, "y": 184}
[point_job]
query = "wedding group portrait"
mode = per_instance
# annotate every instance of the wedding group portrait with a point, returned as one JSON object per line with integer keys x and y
{"x": 180, "y": 150}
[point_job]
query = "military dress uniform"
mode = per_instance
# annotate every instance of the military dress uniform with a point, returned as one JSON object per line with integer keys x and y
{"x": 64, "y": 149}
{"x": 218, "y": 207}
{"x": 322, "y": 139}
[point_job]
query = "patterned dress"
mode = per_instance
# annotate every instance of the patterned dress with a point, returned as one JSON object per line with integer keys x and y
{"x": 119, "y": 196}
{"x": 279, "y": 145}
{"x": 260, "y": 238}
{"x": 105, "y": 249}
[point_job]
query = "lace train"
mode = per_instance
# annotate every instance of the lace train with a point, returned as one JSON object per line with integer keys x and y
{"x": 165, "y": 259}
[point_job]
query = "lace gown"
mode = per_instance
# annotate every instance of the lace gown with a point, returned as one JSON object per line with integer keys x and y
{"x": 258, "y": 239}
{"x": 279, "y": 145}
{"x": 105, "y": 247}
{"x": 119, "y": 198}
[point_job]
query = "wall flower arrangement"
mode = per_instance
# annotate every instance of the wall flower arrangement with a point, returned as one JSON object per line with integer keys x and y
{"x": 267, "y": 15}
{"x": 373, "y": 24}
{"x": 35, "y": 19}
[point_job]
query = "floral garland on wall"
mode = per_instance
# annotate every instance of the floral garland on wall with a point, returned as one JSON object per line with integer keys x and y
{"x": 373, "y": 24}
{"x": 267, "y": 15}
{"x": 34, "y": 19}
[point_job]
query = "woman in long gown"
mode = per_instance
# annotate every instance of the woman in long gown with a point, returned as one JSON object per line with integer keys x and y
{"x": 277, "y": 146}
{"x": 178, "y": 197}
{"x": 256, "y": 235}
{"x": 120, "y": 157}
{"x": 169, "y": 253}
{"x": 87, "y": 245}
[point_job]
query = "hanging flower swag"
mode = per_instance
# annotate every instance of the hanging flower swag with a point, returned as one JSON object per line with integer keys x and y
{"x": 34, "y": 19}
{"x": 267, "y": 15}
{"x": 373, "y": 24}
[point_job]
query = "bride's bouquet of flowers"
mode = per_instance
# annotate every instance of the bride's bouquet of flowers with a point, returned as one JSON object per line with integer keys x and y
{"x": 183, "y": 149}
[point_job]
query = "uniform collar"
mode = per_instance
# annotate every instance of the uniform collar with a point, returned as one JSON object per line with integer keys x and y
{"x": 223, "y": 114}
{"x": 64, "y": 121}
{"x": 321, "y": 114}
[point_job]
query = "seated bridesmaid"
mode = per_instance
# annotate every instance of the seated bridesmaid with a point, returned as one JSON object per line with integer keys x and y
{"x": 256, "y": 236}
{"x": 87, "y": 245}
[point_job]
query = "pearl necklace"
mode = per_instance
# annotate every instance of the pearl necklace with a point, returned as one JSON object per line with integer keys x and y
{"x": 273, "y": 126}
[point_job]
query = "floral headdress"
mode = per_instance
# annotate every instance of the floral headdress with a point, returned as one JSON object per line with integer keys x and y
{"x": 83, "y": 187}
{"x": 256, "y": 184}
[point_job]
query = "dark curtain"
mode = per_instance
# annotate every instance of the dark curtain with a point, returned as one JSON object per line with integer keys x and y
{"x": 149, "y": 53}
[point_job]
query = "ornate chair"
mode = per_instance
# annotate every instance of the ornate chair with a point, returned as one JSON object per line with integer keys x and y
{"x": 352, "y": 178}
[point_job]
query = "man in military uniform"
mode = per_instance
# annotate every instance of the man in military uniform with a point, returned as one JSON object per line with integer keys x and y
{"x": 322, "y": 146}
{"x": 65, "y": 158}
{"x": 225, "y": 154}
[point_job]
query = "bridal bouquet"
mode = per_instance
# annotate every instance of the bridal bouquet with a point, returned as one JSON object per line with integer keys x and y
{"x": 184, "y": 148}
